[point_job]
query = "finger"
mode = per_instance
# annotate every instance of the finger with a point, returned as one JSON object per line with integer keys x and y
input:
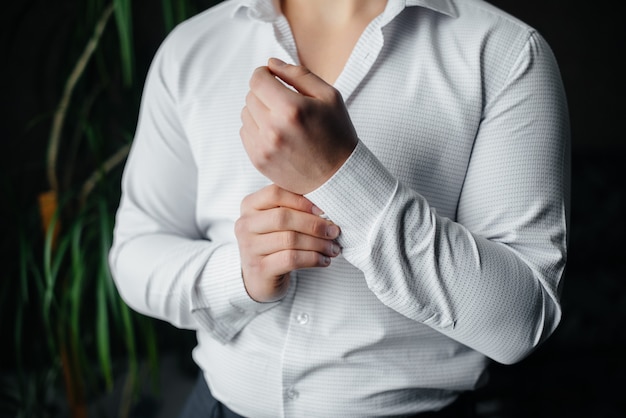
{"x": 300, "y": 78}
{"x": 256, "y": 108}
{"x": 270, "y": 90}
{"x": 247, "y": 118}
{"x": 290, "y": 240}
{"x": 287, "y": 219}
{"x": 273, "y": 196}
{"x": 286, "y": 261}
{"x": 249, "y": 131}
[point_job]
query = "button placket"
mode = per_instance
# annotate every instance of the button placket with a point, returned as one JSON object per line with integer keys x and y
{"x": 361, "y": 59}
{"x": 297, "y": 345}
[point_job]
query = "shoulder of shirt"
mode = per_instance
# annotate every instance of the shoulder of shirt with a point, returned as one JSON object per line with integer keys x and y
{"x": 491, "y": 15}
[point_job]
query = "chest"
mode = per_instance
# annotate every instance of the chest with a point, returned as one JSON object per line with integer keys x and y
{"x": 419, "y": 122}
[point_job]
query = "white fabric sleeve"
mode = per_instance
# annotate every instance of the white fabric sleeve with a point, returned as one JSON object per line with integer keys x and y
{"x": 160, "y": 262}
{"x": 489, "y": 279}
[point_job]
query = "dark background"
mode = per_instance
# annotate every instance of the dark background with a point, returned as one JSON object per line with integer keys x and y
{"x": 580, "y": 371}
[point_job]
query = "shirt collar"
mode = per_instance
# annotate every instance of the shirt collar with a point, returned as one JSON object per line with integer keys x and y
{"x": 267, "y": 10}
{"x": 263, "y": 10}
{"x": 442, "y": 6}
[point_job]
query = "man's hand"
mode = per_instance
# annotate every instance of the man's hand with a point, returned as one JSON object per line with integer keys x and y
{"x": 278, "y": 232}
{"x": 296, "y": 139}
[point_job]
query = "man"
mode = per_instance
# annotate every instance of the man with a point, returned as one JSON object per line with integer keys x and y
{"x": 356, "y": 204}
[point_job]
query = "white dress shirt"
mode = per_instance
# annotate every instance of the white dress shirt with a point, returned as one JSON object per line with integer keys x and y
{"x": 453, "y": 210}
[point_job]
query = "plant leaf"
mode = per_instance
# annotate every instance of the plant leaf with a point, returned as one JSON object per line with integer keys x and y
{"x": 168, "y": 15}
{"x": 103, "y": 341}
{"x": 123, "y": 18}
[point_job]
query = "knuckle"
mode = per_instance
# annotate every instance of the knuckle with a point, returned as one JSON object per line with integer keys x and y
{"x": 245, "y": 203}
{"x": 250, "y": 267}
{"x": 263, "y": 158}
{"x": 240, "y": 227}
{"x": 256, "y": 77}
{"x": 292, "y": 114}
{"x": 301, "y": 71}
{"x": 274, "y": 138}
{"x": 280, "y": 219}
{"x": 303, "y": 203}
{"x": 274, "y": 193}
{"x": 290, "y": 240}
{"x": 290, "y": 259}
{"x": 331, "y": 95}
{"x": 318, "y": 228}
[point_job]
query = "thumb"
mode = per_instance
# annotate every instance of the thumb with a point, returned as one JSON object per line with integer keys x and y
{"x": 299, "y": 77}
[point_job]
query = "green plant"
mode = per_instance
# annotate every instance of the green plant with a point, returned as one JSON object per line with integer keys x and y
{"x": 60, "y": 286}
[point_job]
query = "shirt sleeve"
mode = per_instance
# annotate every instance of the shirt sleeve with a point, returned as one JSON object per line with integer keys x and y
{"x": 162, "y": 265}
{"x": 489, "y": 279}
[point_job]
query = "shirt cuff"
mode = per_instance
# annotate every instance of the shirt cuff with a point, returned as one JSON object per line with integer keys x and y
{"x": 220, "y": 301}
{"x": 356, "y": 196}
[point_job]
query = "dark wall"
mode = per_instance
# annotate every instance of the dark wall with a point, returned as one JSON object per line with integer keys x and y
{"x": 587, "y": 42}
{"x": 578, "y": 372}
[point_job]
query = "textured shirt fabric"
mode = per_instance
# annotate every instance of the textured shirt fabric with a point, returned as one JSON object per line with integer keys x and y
{"x": 453, "y": 209}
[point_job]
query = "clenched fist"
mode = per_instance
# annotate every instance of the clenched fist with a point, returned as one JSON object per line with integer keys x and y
{"x": 298, "y": 139}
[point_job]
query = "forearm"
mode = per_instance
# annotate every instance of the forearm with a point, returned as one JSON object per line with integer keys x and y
{"x": 479, "y": 291}
{"x": 156, "y": 273}
{"x": 189, "y": 283}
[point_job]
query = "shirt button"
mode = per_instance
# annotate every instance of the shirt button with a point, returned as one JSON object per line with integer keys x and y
{"x": 292, "y": 393}
{"x": 302, "y": 318}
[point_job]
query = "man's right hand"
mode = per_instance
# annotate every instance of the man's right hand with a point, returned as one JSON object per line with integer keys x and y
{"x": 278, "y": 232}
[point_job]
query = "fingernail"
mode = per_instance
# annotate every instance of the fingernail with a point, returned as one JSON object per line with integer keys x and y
{"x": 332, "y": 231}
{"x": 326, "y": 260}
{"x": 278, "y": 62}
{"x": 316, "y": 211}
{"x": 336, "y": 249}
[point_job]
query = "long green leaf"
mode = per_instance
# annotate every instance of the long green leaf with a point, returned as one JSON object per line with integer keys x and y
{"x": 60, "y": 113}
{"x": 168, "y": 15}
{"x": 48, "y": 249}
{"x": 123, "y": 17}
{"x": 183, "y": 10}
{"x": 52, "y": 262}
{"x": 129, "y": 339}
{"x": 109, "y": 301}
{"x": 105, "y": 231}
{"x": 77, "y": 280}
{"x": 103, "y": 341}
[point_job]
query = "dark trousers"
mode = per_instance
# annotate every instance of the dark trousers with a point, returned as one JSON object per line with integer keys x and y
{"x": 202, "y": 404}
